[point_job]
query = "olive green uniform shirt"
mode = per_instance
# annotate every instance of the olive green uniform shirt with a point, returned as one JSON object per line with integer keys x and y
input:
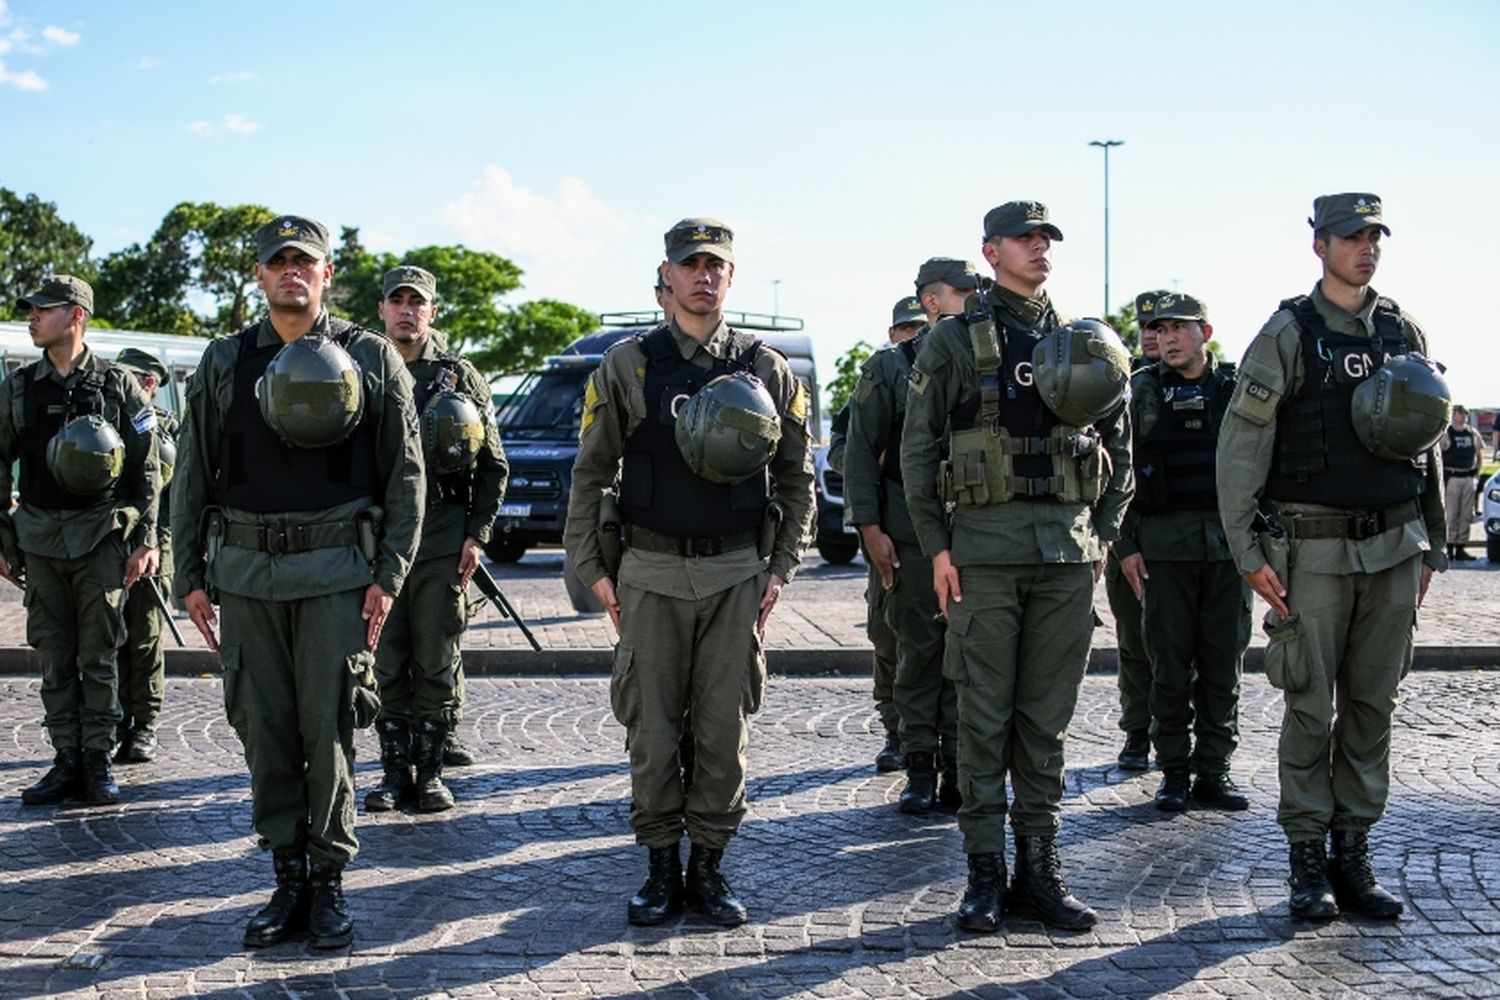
{"x": 446, "y": 525}
{"x": 1015, "y": 533}
{"x": 615, "y": 405}
{"x": 291, "y": 576}
{"x": 70, "y": 534}
{"x": 878, "y": 404}
{"x": 1270, "y": 373}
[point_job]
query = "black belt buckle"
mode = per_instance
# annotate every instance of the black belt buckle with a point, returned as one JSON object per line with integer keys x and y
{"x": 1366, "y": 525}
{"x": 272, "y": 538}
{"x": 701, "y": 545}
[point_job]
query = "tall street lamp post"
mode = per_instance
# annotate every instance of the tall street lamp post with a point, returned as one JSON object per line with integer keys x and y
{"x": 1105, "y": 145}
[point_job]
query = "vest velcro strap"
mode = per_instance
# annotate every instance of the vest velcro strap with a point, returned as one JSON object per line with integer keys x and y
{"x": 283, "y": 538}
{"x": 1355, "y": 526}
{"x": 689, "y": 546}
{"x": 1042, "y": 486}
{"x": 1030, "y": 446}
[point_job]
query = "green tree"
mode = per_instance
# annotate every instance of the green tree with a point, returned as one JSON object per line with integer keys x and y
{"x": 497, "y": 338}
{"x": 847, "y": 374}
{"x": 36, "y": 242}
{"x": 1124, "y": 323}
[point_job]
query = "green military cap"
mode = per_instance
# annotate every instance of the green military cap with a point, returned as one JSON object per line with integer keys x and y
{"x": 142, "y": 362}
{"x": 61, "y": 290}
{"x": 959, "y": 274}
{"x": 1346, "y": 214}
{"x": 410, "y": 276}
{"x": 1175, "y": 305}
{"x": 1145, "y": 305}
{"x": 291, "y": 231}
{"x": 1017, "y": 218}
{"x": 908, "y": 310}
{"x": 692, "y": 236}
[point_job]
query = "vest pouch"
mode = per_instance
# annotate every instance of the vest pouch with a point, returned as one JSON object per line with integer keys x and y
{"x": 1080, "y": 461}
{"x": 969, "y": 468}
{"x": 946, "y": 492}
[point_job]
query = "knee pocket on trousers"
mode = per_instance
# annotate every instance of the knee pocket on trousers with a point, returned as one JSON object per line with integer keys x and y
{"x": 1287, "y": 663}
{"x": 624, "y": 686}
{"x": 955, "y": 648}
{"x": 456, "y": 617}
{"x": 234, "y": 699}
{"x": 753, "y": 691}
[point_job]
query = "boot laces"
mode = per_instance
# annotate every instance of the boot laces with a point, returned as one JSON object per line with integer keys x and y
{"x": 984, "y": 871}
{"x": 1046, "y": 866}
{"x": 1355, "y": 861}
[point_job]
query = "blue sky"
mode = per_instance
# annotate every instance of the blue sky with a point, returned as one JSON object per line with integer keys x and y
{"x": 844, "y": 142}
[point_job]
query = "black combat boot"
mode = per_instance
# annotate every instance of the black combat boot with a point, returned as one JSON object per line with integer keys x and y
{"x": 1312, "y": 896}
{"x": 395, "y": 758}
{"x": 708, "y": 892}
{"x": 427, "y": 749}
{"x": 660, "y": 899}
{"x": 99, "y": 788}
{"x": 1172, "y": 796}
{"x": 286, "y": 913}
{"x": 1220, "y": 792}
{"x": 920, "y": 794}
{"x": 142, "y": 746}
{"x": 455, "y": 753}
{"x": 984, "y": 899}
{"x": 328, "y": 923}
{"x": 1135, "y": 755}
{"x": 62, "y": 781}
{"x": 1038, "y": 885}
{"x": 949, "y": 798}
{"x": 1353, "y": 880}
{"x": 891, "y": 757}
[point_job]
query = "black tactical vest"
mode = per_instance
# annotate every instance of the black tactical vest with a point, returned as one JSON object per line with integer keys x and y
{"x": 1174, "y": 460}
{"x": 1318, "y": 456}
{"x": 258, "y": 473}
{"x": 46, "y": 406}
{"x": 1023, "y": 414}
{"x": 657, "y": 489}
{"x": 455, "y": 488}
{"x": 1462, "y": 457}
{"x": 890, "y": 466}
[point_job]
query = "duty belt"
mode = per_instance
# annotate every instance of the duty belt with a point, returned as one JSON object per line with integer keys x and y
{"x": 1355, "y": 525}
{"x": 283, "y": 538}
{"x": 1460, "y": 473}
{"x": 689, "y": 545}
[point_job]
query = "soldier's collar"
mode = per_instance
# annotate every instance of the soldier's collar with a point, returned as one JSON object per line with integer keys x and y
{"x": 717, "y": 341}
{"x": 46, "y": 369}
{"x": 1337, "y": 316}
{"x": 1028, "y": 311}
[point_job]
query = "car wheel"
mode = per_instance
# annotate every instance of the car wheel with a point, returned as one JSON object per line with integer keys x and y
{"x": 581, "y": 597}
{"x": 838, "y": 553}
{"x": 504, "y": 550}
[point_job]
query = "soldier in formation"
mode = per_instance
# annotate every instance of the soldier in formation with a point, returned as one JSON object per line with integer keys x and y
{"x": 143, "y": 661}
{"x": 1332, "y": 502}
{"x": 695, "y": 425}
{"x": 299, "y": 455}
{"x": 1462, "y": 447}
{"x": 84, "y": 533}
{"x": 1173, "y": 554}
{"x": 418, "y": 660}
{"x": 1038, "y": 469}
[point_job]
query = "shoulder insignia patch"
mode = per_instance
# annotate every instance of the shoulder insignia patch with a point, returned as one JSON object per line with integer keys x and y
{"x": 1258, "y": 391}
{"x": 918, "y": 381}
{"x": 590, "y": 404}
{"x": 144, "y": 421}
{"x": 797, "y": 410}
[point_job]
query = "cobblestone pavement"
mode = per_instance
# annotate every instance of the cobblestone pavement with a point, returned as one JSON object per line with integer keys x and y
{"x": 521, "y": 891}
{"x": 824, "y": 609}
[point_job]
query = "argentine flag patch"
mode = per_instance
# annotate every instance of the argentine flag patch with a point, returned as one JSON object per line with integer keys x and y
{"x": 145, "y": 421}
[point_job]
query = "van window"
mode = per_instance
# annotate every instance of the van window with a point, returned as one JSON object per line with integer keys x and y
{"x": 547, "y": 406}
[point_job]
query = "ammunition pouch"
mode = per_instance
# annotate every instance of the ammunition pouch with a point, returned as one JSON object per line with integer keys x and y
{"x": 211, "y": 536}
{"x": 980, "y": 469}
{"x": 611, "y": 544}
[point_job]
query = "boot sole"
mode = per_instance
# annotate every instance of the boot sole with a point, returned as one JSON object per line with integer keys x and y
{"x": 979, "y": 925}
{"x": 434, "y": 807}
{"x": 332, "y": 940}
{"x": 1347, "y": 904}
{"x": 1025, "y": 905}
{"x": 1319, "y": 913}
{"x": 722, "y": 919}
{"x": 635, "y": 918}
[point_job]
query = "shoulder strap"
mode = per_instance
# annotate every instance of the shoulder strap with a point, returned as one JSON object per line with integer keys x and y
{"x": 985, "y": 341}
{"x": 657, "y": 346}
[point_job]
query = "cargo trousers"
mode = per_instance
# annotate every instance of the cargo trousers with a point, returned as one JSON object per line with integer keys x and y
{"x": 926, "y": 701}
{"x": 419, "y": 656}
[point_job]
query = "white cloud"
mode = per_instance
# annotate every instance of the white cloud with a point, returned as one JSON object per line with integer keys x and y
{"x": 243, "y": 76}
{"x": 5, "y": 44}
{"x": 240, "y": 125}
{"x": 24, "y": 80}
{"x": 60, "y": 36}
{"x": 234, "y": 124}
{"x": 549, "y": 236}
{"x": 148, "y": 63}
